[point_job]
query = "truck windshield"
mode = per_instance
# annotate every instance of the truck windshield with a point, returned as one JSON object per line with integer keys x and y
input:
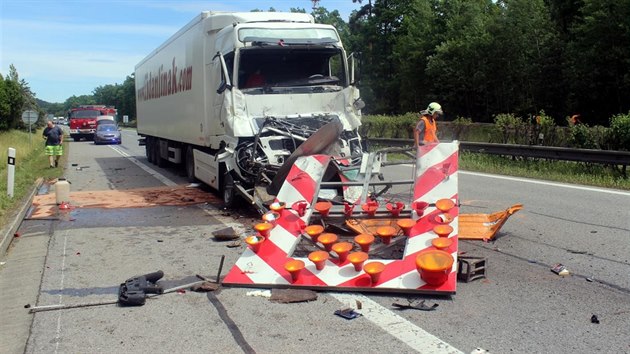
{"x": 273, "y": 69}
{"x": 85, "y": 114}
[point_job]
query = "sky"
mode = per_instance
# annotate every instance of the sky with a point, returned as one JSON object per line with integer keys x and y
{"x": 63, "y": 48}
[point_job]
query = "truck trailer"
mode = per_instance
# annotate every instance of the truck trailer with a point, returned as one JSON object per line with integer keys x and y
{"x": 231, "y": 96}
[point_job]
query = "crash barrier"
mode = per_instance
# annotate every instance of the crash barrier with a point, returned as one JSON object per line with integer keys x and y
{"x": 611, "y": 157}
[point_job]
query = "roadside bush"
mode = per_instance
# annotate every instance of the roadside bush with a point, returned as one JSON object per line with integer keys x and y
{"x": 546, "y": 126}
{"x": 582, "y": 137}
{"x": 511, "y": 129}
{"x": 461, "y": 127}
{"x": 619, "y": 137}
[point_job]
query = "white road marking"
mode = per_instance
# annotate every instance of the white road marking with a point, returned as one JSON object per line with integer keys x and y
{"x": 148, "y": 169}
{"x": 536, "y": 181}
{"x": 554, "y": 184}
{"x": 61, "y": 285}
{"x": 407, "y": 332}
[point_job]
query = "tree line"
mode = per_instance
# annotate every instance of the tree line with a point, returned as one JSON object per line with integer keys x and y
{"x": 478, "y": 58}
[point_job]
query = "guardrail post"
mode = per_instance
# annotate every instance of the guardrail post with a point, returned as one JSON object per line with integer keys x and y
{"x": 11, "y": 172}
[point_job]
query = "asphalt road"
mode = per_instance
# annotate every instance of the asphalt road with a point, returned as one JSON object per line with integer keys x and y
{"x": 520, "y": 307}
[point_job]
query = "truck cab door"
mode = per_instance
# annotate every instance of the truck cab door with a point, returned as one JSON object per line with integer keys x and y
{"x": 222, "y": 85}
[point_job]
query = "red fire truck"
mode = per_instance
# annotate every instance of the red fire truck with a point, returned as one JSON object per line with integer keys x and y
{"x": 82, "y": 120}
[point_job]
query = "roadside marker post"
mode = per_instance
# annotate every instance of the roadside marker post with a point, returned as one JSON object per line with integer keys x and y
{"x": 11, "y": 172}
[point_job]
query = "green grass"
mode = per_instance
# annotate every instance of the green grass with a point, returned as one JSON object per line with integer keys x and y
{"x": 30, "y": 164}
{"x": 559, "y": 171}
{"x": 549, "y": 170}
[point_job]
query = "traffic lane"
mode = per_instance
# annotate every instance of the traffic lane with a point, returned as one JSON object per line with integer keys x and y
{"x": 86, "y": 264}
{"x": 556, "y": 226}
{"x": 522, "y": 306}
{"x": 105, "y": 167}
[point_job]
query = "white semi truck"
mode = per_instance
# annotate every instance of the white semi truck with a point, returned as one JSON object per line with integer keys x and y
{"x": 231, "y": 96}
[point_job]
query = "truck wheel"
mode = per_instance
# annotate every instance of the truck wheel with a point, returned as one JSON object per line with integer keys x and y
{"x": 149, "y": 150}
{"x": 190, "y": 165}
{"x": 159, "y": 161}
{"x": 76, "y": 138}
{"x": 227, "y": 189}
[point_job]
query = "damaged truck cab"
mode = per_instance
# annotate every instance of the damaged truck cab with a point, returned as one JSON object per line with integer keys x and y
{"x": 231, "y": 96}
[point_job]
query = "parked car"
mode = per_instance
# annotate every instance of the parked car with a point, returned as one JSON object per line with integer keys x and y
{"x": 107, "y": 134}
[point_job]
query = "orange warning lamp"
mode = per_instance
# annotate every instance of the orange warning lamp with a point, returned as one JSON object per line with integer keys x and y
{"x": 314, "y": 231}
{"x": 342, "y": 249}
{"x": 406, "y": 225}
{"x": 294, "y": 267}
{"x": 319, "y": 258}
{"x": 442, "y": 243}
{"x": 386, "y": 233}
{"x": 254, "y": 242}
{"x": 323, "y": 208}
{"x": 327, "y": 240}
{"x": 374, "y": 270}
{"x": 444, "y": 205}
{"x": 357, "y": 259}
{"x": 365, "y": 241}
{"x": 277, "y": 206}
{"x": 434, "y": 266}
{"x": 443, "y": 230}
{"x": 263, "y": 228}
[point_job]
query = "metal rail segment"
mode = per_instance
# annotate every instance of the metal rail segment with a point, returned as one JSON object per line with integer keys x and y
{"x": 612, "y": 157}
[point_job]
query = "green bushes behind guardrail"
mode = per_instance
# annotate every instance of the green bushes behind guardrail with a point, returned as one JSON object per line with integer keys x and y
{"x": 508, "y": 129}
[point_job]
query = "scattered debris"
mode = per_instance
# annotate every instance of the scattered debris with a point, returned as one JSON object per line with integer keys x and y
{"x": 261, "y": 293}
{"x": 225, "y": 234}
{"x": 347, "y": 313}
{"x": 2, "y": 263}
{"x": 576, "y": 252}
{"x": 419, "y": 306}
{"x": 17, "y": 234}
{"x": 594, "y": 319}
{"x": 479, "y": 351}
{"x": 234, "y": 244}
{"x": 471, "y": 268}
{"x": 589, "y": 279}
{"x": 286, "y": 296}
{"x": 193, "y": 185}
{"x": 205, "y": 287}
{"x": 560, "y": 269}
{"x": 359, "y": 304}
{"x": 160, "y": 240}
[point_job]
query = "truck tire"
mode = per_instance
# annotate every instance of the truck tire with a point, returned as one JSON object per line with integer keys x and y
{"x": 189, "y": 165}
{"x": 159, "y": 161}
{"x": 227, "y": 191}
{"x": 150, "y": 152}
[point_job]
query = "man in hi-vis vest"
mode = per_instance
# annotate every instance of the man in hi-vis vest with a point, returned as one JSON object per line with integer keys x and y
{"x": 426, "y": 129}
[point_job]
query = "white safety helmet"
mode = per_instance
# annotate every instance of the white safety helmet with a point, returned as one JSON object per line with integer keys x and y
{"x": 434, "y": 107}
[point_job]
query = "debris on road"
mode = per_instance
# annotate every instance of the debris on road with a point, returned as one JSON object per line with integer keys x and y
{"x": 225, "y": 234}
{"x": 419, "y": 306}
{"x": 286, "y": 296}
{"x": 259, "y": 293}
{"x": 594, "y": 319}
{"x": 560, "y": 269}
{"x": 347, "y": 313}
{"x": 471, "y": 268}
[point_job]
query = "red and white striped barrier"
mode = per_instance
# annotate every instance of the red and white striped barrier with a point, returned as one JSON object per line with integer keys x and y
{"x": 436, "y": 179}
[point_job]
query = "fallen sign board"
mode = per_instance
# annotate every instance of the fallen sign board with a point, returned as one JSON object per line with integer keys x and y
{"x": 269, "y": 260}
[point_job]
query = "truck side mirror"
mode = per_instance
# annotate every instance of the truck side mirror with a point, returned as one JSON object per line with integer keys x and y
{"x": 352, "y": 60}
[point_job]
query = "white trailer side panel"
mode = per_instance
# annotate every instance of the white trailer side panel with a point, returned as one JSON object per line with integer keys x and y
{"x": 170, "y": 92}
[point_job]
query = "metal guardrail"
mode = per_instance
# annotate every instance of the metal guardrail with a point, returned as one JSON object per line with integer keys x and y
{"x": 536, "y": 151}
